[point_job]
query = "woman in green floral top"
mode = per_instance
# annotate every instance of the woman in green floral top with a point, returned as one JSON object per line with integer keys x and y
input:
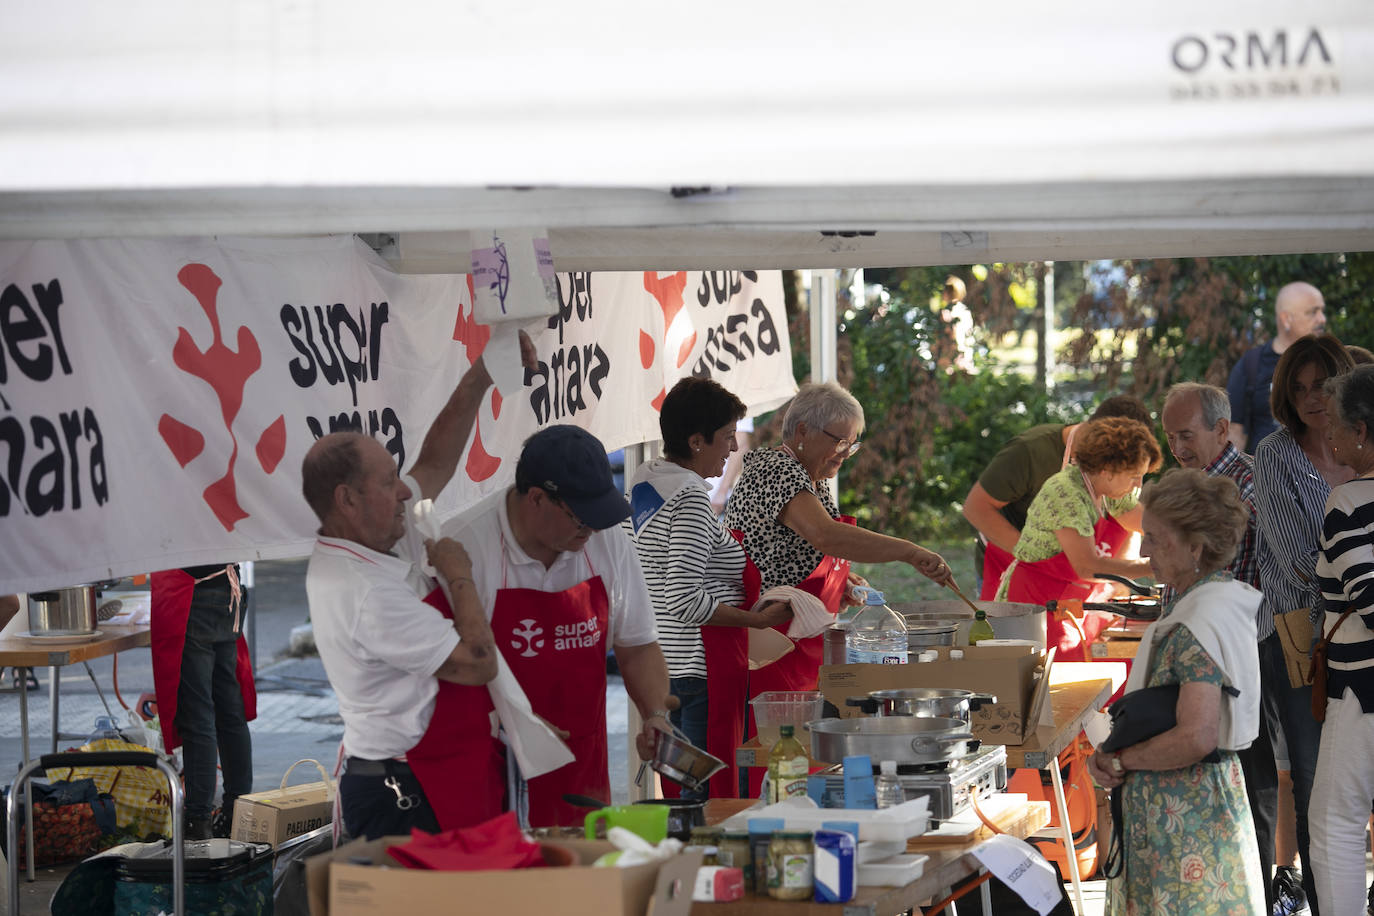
{"x": 1189, "y": 843}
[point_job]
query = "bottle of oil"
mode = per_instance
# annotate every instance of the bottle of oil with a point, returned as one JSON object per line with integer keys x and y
{"x": 980, "y": 629}
{"x": 787, "y": 767}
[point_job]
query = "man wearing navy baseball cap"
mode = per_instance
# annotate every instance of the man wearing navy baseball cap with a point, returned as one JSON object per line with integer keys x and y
{"x": 560, "y": 581}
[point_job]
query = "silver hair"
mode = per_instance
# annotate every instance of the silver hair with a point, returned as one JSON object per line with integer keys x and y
{"x": 1216, "y": 403}
{"x": 1351, "y": 394}
{"x": 820, "y": 404}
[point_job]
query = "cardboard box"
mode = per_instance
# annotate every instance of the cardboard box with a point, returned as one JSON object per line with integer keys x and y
{"x": 278, "y": 815}
{"x": 362, "y": 879}
{"x": 1014, "y": 674}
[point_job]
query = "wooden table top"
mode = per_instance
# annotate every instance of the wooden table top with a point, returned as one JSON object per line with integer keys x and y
{"x": 18, "y": 652}
{"x": 1073, "y": 697}
{"x": 949, "y": 863}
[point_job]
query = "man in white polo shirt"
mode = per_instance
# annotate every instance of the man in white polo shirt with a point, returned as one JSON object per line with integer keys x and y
{"x": 407, "y": 667}
{"x": 560, "y": 581}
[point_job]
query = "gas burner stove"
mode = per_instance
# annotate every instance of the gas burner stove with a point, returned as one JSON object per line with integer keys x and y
{"x": 946, "y": 784}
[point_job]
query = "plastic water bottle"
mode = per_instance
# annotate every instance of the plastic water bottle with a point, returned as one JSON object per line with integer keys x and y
{"x": 887, "y": 790}
{"x": 104, "y": 728}
{"x": 877, "y": 636}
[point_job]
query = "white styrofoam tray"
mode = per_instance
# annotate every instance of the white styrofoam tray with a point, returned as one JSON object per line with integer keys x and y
{"x": 890, "y": 825}
{"x": 897, "y": 871}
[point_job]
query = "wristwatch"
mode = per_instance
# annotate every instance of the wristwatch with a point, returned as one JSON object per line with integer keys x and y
{"x": 1117, "y": 766}
{"x": 657, "y": 714}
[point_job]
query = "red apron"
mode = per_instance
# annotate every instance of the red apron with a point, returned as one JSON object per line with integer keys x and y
{"x": 727, "y": 690}
{"x": 459, "y": 764}
{"x": 555, "y": 644}
{"x": 995, "y": 563}
{"x": 800, "y": 668}
{"x": 170, "y": 610}
{"x": 1054, "y": 579}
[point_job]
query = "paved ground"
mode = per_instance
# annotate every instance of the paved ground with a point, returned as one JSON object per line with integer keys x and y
{"x": 298, "y": 715}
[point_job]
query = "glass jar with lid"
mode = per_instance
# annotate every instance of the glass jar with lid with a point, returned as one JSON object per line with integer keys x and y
{"x": 791, "y": 854}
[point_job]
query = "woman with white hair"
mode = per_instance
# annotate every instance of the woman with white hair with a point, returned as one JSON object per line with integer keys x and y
{"x": 792, "y": 529}
{"x": 1343, "y": 786}
{"x": 1188, "y": 838}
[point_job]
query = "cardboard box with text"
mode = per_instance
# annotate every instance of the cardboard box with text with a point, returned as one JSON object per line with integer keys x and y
{"x": 278, "y": 815}
{"x": 362, "y": 879}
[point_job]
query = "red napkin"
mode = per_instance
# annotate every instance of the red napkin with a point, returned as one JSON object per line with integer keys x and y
{"x": 494, "y": 844}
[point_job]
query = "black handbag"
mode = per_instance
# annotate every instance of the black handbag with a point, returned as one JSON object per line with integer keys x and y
{"x": 1136, "y": 717}
{"x": 1140, "y": 715}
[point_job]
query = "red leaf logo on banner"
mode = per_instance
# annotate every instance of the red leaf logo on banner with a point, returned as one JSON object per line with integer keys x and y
{"x": 468, "y": 331}
{"x": 646, "y": 349}
{"x": 186, "y": 443}
{"x": 668, "y": 291}
{"x": 226, "y": 371}
{"x": 474, "y": 335}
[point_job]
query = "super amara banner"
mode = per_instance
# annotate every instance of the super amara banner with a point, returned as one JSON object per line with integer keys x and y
{"x": 156, "y": 397}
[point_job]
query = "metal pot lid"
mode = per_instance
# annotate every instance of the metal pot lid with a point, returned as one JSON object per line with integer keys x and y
{"x": 923, "y": 693}
{"x": 930, "y": 625}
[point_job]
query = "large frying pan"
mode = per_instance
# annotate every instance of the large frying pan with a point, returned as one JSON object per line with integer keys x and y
{"x": 905, "y": 739}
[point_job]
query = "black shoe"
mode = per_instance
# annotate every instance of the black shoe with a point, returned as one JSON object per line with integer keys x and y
{"x": 198, "y": 828}
{"x": 1289, "y": 899}
{"x": 222, "y": 821}
{"x": 1369, "y": 906}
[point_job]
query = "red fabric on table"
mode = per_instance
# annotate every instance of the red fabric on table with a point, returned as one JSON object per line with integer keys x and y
{"x": 494, "y": 844}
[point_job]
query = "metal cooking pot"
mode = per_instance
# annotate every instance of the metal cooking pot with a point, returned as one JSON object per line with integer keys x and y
{"x": 922, "y": 634}
{"x": 63, "y": 612}
{"x": 683, "y": 815}
{"x": 931, "y": 702}
{"x": 905, "y": 739}
{"x": 1009, "y": 619}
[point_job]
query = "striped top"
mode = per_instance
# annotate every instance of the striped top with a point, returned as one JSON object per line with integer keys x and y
{"x": 1290, "y": 496}
{"x": 1346, "y": 574}
{"x": 691, "y": 563}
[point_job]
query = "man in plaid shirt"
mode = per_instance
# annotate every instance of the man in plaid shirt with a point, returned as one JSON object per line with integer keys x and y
{"x": 1196, "y": 420}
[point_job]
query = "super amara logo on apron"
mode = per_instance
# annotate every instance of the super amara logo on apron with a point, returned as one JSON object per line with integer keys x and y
{"x": 529, "y": 638}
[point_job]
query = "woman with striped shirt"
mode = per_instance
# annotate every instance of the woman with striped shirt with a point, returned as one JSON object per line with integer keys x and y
{"x": 700, "y": 581}
{"x": 1294, "y": 474}
{"x": 1343, "y": 789}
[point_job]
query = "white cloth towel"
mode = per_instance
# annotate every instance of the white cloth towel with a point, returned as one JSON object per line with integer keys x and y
{"x": 537, "y": 748}
{"x": 1221, "y": 617}
{"x": 809, "y": 615}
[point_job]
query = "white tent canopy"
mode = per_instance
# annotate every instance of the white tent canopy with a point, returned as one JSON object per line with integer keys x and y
{"x": 797, "y": 134}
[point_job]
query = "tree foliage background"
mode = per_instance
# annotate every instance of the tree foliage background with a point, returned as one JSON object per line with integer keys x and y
{"x": 1130, "y": 327}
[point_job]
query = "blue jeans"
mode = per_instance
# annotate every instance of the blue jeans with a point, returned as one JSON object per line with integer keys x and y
{"x": 691, "y": 717}
{"x": 1293, "y": 708}
{"x": 210, "y": 714}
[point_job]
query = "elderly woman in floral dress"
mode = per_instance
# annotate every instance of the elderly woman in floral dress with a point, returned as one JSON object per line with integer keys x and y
{"x": 1189, "y": 841}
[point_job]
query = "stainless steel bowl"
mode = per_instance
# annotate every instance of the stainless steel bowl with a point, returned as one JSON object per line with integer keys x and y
{"x": 682, "y": 762}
